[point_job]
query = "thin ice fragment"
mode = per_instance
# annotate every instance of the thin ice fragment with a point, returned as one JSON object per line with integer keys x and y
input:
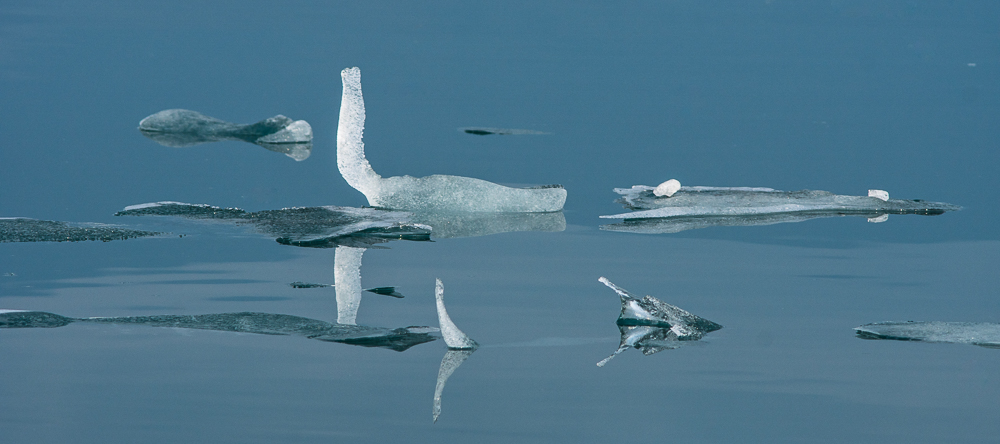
{"x": 20, "y": 229}
{"x": 454, "y": 337}
{"x": 432, "y": 193}
{"x": 984, "y": 334}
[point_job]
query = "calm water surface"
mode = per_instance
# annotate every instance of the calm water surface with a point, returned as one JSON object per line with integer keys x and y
{"x": 839, "y": 96}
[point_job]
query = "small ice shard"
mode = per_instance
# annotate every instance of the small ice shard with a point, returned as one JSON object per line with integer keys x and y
{"x": 183, "y": 128}
{"x": 398, "y": 339}
{"x": 449, "y": 363}
{"x": 431, "y": 193}
{"x": 308, "y": 285}
{"x": 21, "y": 229}
{"x": 983, "y": 334}
{"x": 386, "y": 291}
{"x": 882, "y": 195}
{"x": 652, "y": 325}
{"x": 484, "y": 131}
{"x": 454, "y": 337}
{"x": 667, "y": 189}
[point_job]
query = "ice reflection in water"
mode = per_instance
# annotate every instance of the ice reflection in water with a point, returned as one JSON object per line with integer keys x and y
{"x": 183, "y": 128}
{"x": 701, "y": 207}
{"x": 651, "y": 325}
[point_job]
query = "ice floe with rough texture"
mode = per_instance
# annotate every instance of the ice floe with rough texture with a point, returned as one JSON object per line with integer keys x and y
{"x": 651, "y": 325}
{"x": 19, "y": 229}
{"x": 317, "y": 227}
{"x": 701, "y": 207}
{"x": 984, "y": 334}
{"x": 431, "y": 193}
{"x": 398, "y": 339}
{"x": 183, "y": 128}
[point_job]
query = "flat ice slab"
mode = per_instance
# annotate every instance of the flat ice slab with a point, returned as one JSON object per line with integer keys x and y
{"x": 183, "y": 128}
{"x": 700, "y": 207}
{"x": 976, "y": 333}
{"x": 441, "y": 193}
{"x": 33, "y": 230}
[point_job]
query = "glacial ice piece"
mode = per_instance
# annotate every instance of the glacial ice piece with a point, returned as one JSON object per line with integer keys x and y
{"x": 701, "y": 207}
{"x": 667, "y": 189}
{"x": 454, "y": 337}
{"x": 398, "y": 339}
{"x": 183, "y": 128}
{"x": 651, "y": 325}
{"x": 984, "y": 334}
{"x": 21, "y": 229}
{"x": 485, "y": 131}
{"x": 449, "y": 363}
{"x": 315, "y": 227}
{"x": 431, "y": 193}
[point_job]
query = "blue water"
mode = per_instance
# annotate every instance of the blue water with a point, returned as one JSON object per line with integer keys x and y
{"x": 841, "y": 96}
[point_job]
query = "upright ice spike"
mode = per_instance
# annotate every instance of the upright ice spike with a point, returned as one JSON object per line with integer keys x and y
{"x": 454, "y": 337}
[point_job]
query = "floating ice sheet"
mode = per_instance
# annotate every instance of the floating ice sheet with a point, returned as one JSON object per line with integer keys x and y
{"x": 317, "y": 227}
{"x": 701, "y": 207}
{"x": 431, "y": 193}
{"x": 19, "y": 229}
{"x": 651, "y": 325}
{"x": 984, "y": 334}
{"x": 183, "y": 128}
{"x": 398, "y": 339}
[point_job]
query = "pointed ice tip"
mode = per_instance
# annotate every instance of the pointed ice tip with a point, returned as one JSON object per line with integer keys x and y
{"x": 454, "y": 337}
{"x": 879, "y": 194}
{"x": 667, "y": 189}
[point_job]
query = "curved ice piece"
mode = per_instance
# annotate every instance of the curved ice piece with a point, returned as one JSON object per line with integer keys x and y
{"x": 454, "y": 337}
{"x": 183, "y": 128}
{"x": 431, "y": 193}
{"x": 486, "y": 131}
{"x": 984, "y": 334}
{"x": 718, "y": 201}
{"x": 315, "y": 227}
{"x": 21, "y": 229}
{"x": 651, "y": 325}
{"x": 449, "y": 363}
{"x": 398, "y": 339}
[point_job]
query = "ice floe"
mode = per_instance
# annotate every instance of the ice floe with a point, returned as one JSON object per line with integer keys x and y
{"x": 183, "y": 128}
{"x": 431, "y": 193}
{"x": 19, "y": 229}
{"x": 984, "y": 334}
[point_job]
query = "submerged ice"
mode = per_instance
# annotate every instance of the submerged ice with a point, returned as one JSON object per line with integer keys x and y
{"x": 431, "y": 193}
{"x": 651, "y": 325}
{"x": 699, "y": 207}
{"x": 182, "y": 128}
{"x": 984, "y": 334}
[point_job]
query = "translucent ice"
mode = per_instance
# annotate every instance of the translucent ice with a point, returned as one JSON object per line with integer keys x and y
{"x": 454, "y": 337}
{"x": 19, "y": 229}
{"x": 398, "y": 339}
{"x": 700, "y": 207}
{"x": 651, "y": 325}
{"x": 983, "y": 333}
{"x": 449, "y": 363}
{"x": 431, "y": 193}
{"x": 182, "y": 128}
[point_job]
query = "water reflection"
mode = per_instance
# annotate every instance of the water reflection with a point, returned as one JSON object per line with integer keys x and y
{"x": 460, "y": 347}
{"x": 651, "y": 325}
{"x": 702, "y": 207}
{"x": 398, "y": 339}
{"x": 183, "y": 128}
{"x": 983, "y": 334}
{"x": 20, "y": 229}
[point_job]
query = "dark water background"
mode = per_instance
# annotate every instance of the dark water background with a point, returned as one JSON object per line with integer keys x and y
{"x": 840, "y": 96}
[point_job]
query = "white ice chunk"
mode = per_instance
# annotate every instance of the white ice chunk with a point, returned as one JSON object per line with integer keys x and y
{"x": 347, "y": 283}
{"x": 454, "y": 337}
{"x": 431, "y": 193}
{"x": 667, "y": 189}
{"x": 879, "y": 194}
